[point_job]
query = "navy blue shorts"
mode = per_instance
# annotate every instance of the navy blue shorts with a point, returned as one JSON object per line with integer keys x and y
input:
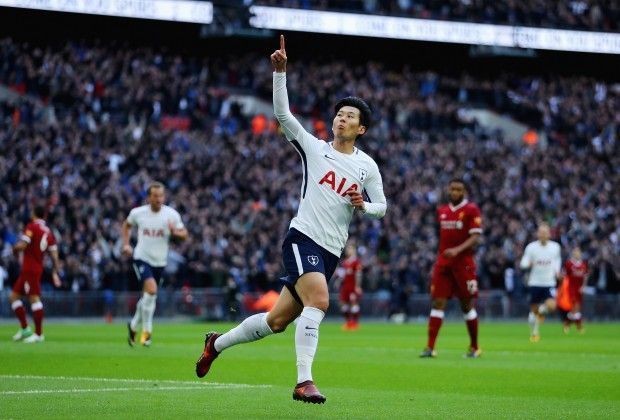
{"x": 300, "y": 255}
{"x": 539, "y": 294}
{"x": 144, "y": 270}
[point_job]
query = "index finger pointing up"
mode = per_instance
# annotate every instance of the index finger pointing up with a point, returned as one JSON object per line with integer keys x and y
{"x": 282, "y": 43}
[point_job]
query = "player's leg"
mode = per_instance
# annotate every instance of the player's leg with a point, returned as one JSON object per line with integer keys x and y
{"x": 36, "y": 307}
{"x": 20, "y": 311}
{"x": 471, "y": 320}
{"x": 533, "y": 319}
{"x": 149, "y": 300}
{"x": 565, "y": 316}
{"x": 251, "y": 329}
{"x": 355, "y": 311}
{"x": 577, "y": 317}
{"x": 547, "y": 306}
{"x": 312, "y": 289}
{"x": 467, "y": 290}
{"x": 345, "y": 310}
{"x": 441, "y": 290}
{"x": 263, "y": 324}
{"x": 136, "y": 320}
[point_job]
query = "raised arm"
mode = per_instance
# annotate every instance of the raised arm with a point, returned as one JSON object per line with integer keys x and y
{"x": 292, "y": 129}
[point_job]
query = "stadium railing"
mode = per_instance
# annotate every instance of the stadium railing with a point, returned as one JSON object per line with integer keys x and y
{"x": 211, "y": 304}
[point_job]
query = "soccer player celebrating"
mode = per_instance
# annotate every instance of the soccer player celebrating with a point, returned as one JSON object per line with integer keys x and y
{"x": 34, "y": 243}
{"x": 334, "y": 176}
{"x": 156, "y": 224}
{"x": 576, "y": 270}
{"x": 454, "y": 273}
{"x": 350, "y": 288}
{"x": 543, "y": 260}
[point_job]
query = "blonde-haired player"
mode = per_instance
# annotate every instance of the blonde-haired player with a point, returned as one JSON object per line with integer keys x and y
{"x": 156, "y": 224}
{"x": 543, "y": 260}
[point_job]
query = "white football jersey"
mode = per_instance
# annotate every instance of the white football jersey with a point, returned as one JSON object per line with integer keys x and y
{"x": 325, "y": 209}
{"x": 153, "y": 233}
{"x": 545, "y": 262}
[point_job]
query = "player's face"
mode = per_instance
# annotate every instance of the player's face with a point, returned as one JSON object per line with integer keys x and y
{"x": 456, "y": 192}
{"x": 156, "y": 198}
{"x": 544, "y": 233}
{"x": 349, "y": 250}
{"x": 576, "y": 254}
{"x": 346, "y": 125}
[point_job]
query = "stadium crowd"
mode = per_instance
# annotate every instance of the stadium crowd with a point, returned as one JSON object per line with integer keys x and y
{"x": 96, "y": 123}
{"x": 594, "y": 15}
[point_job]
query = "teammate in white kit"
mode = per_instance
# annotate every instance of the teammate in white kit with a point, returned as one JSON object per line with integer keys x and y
{"x": 156, "y": 224}
{"x": 544, "y": 261}
{"x": 334, "y": 176}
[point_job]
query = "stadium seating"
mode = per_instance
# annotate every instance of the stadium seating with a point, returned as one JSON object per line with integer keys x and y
{"x": 92, "y": 126}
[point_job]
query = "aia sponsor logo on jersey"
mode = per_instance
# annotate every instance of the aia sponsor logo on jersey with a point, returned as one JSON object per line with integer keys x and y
{"x": 337, "y": 184}
{"x": 154, "y": 233}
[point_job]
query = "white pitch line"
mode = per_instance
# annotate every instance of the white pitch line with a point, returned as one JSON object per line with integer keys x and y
{"x": 83, "y": 390}
{"x": 137, "y": 381}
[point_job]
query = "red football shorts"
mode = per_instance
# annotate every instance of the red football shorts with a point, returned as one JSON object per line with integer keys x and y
{"x": 28, "y": 283}
{"x": 574, "y": 293}
{"x": 457, "y": 279}
{"x": 348, "y": 295}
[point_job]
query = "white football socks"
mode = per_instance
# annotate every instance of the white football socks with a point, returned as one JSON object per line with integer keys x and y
{"x": 251, "y": 329}
{"x": 531, "y": 320}
{"x": 306, "y": 341}
{"x": 148, "y": 309}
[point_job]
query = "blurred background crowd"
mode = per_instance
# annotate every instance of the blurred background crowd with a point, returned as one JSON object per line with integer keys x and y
{"x": 95, "y": 122}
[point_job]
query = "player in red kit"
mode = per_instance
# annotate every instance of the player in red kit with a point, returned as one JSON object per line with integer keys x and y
{"x": 454, "y": 273}
{"x": 576, "y": 270}
{"x": 34, "y": 243}
{"x": 350, "y": 288}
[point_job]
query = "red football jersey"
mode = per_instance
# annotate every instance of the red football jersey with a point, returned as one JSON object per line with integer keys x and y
{"x": 576, "y": 271}
{"x": 40, "y": 239}
{"x": 352, "y": 266}
{"x": 456, "y": 224}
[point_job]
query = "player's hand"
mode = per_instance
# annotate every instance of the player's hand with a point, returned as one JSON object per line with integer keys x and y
{"x": 358, "y": 291}
{"x": 451, "y": 253}
{"x": 127, "y": 250}
{"x": 56, "y": 279}
{"x": 357, "y": 200}
{"x": 278, "y": 58}
{"x": 171, "y": 227}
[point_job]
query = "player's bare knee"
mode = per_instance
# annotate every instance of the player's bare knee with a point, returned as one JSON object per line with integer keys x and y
{"x": 150, "y": 286}
{"x": 319, "y": 302}
{"x": 439, "y": 304}
{"x": 277, "y": 324}
{"x": 466, "y": 306}
{"x": 34, "y": 299}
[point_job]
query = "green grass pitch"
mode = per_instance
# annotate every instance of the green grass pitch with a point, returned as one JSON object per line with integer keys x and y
{"x": 88, "y": 371}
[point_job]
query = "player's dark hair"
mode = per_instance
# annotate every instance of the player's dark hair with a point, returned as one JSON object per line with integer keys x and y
{"x": 460, "y": 181}
{"x": 359, "y": 103}
{"x": 39, "y": 212}
{"x": 154, "y": 185}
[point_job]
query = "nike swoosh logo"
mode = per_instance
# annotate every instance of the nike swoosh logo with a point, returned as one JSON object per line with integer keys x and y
{"x": 258, "y": 334}
{"x": 329, "y": 157}
{"x": 308, "y": 328}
